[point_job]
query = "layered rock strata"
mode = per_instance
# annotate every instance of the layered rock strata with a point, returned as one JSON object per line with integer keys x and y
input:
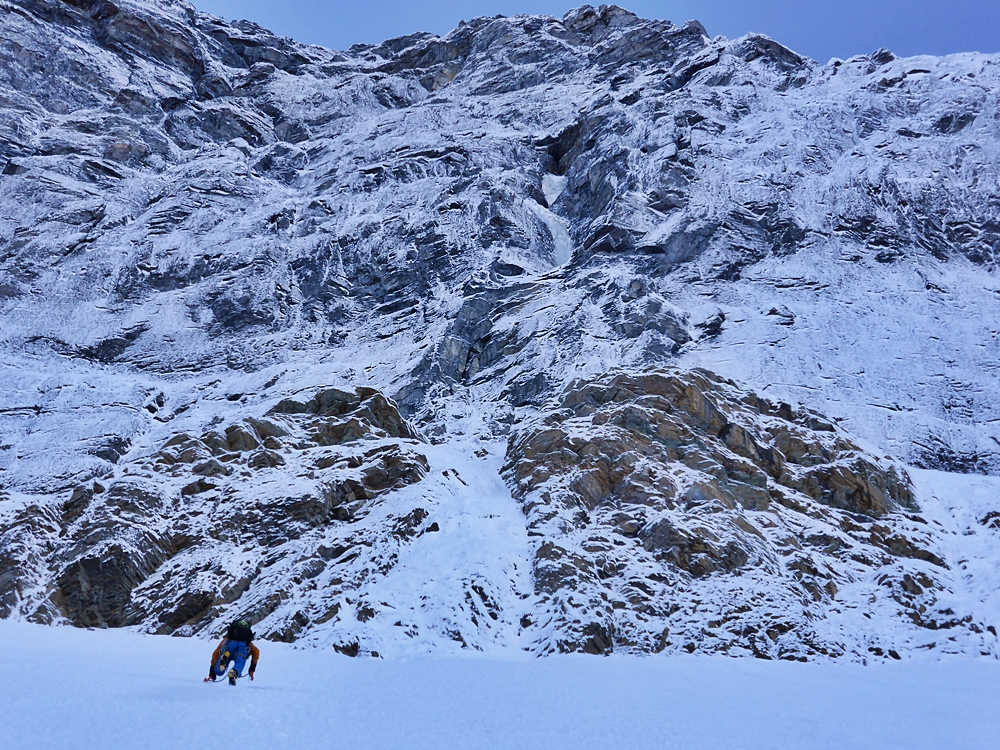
{"x": 255, "y": 512}
{"x": 664, "y": 501}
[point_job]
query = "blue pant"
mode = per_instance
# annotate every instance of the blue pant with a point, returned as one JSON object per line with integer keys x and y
{"x": 236, "y": 652}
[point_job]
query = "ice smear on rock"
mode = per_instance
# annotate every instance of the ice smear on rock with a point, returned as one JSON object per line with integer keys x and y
{"x": 563, "y": 251}
{"x": 553, "y": 186}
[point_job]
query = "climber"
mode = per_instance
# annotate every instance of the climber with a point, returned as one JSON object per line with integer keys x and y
{"x": 236, "y": 647}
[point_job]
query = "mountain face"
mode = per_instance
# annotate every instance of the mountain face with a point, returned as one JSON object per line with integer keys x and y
{"x": 590, "y": 333}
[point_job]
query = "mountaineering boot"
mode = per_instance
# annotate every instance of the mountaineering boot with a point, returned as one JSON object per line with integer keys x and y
{"x": 232, "y": 676}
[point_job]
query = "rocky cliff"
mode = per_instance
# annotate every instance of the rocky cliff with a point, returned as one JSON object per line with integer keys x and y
{"x": 413, "y": 344}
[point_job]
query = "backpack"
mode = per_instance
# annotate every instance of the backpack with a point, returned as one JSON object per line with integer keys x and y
{"x": 240, "y": 631}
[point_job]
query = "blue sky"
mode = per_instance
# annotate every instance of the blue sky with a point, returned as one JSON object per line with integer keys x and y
{"x": 820, "y": 30}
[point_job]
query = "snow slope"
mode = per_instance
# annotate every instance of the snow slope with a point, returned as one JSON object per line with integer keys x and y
{"x": 116, "y": 690}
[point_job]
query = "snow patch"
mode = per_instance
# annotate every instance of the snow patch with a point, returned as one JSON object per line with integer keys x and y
{"x": 476, "y": 562}
{"x": 967, "y": 509}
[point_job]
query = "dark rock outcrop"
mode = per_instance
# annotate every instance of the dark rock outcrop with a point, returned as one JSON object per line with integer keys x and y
{"x": 660, "y": 495}
{"x": 197, "y": 525}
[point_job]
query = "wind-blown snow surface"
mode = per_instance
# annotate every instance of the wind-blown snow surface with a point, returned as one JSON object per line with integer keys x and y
{"x": 115, "y": 690}
{"x": 199, "y": 219}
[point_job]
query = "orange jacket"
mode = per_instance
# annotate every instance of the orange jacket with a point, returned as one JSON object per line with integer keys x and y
{"x": 254, "y": 656}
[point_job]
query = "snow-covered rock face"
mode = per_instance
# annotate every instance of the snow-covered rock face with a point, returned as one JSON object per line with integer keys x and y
{"x": 145, "y": 552}
{"x": 200, "y": 221}
{"x": 654, "y": 496}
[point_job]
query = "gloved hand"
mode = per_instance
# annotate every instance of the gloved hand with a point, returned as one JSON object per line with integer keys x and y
{"x": 251, "y": 676}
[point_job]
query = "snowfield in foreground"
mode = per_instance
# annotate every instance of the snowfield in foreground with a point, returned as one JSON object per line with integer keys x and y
{"x": 68, "y": 688}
